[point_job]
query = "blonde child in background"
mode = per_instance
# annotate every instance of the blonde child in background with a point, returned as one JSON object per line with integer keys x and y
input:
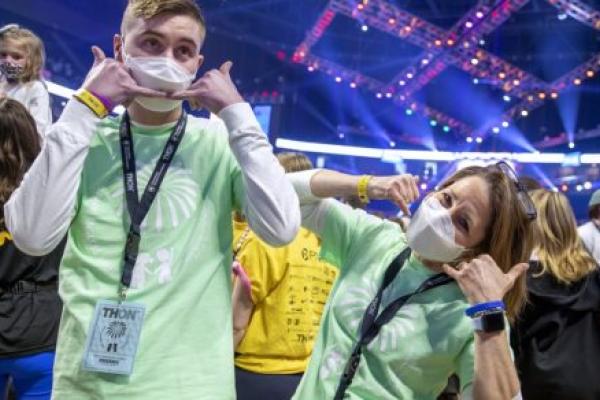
{"x": 21, "y": 63}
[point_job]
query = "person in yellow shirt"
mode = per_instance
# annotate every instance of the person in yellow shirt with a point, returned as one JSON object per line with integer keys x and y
{"x": 276, "y": 317}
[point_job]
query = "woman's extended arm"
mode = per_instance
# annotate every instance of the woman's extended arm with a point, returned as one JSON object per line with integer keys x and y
{"x": 482, "y": 281}
{"x": 314, "y": 185}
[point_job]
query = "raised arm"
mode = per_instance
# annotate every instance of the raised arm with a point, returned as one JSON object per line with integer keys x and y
{"x": 39, "y": 212}
{"x": 315, "y": 185}
{"x": 271, "y": 205}
{"x": 482, "y": 281}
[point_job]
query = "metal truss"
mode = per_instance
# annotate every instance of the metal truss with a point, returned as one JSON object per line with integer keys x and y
{"x": 580, "y": 11}
{"x": 459, "y": 47}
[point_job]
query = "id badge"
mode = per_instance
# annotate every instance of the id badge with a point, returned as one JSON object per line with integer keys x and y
{"x": 113, "y": 337}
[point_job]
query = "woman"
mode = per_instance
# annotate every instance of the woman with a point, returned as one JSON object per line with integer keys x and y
{"x": 275, "y": 323}
{"x": 29, "y": 304}
{"x": 376, "y": 342}
{"x": 557, "y": 338}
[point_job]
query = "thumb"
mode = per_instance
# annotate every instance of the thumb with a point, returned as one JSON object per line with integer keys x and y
{"x": 516, "y": 271}
{"x": 99, "y": 55}
{"x": 226, "y": 67}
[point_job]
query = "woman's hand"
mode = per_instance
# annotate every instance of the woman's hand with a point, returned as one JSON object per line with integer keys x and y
{"x": 481, "y": 280}
{"x": 400, "y": 189}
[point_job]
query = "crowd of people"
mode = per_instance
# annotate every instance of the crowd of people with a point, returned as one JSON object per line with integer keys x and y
{"x": 158, "y": 255}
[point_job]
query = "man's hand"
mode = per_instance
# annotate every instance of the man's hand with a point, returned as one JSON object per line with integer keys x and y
{"x": 112, "y": 80}
{"x": 214, "y": 90}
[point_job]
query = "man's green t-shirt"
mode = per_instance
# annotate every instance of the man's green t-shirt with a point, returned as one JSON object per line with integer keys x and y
{"x": 429, "y": 339}
{"x": 182, "y": 275}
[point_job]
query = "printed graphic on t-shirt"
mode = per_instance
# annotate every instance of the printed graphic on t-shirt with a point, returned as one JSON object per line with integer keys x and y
{"x": 353, "y": 304}
{"x": 157, "y": 266}
{"x": 333, "y": 362}
{"x": 310, "y": 284}
{"x": 175, "y": 202}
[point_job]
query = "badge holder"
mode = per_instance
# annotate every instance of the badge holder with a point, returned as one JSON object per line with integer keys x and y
{"x": 113, "y": 337}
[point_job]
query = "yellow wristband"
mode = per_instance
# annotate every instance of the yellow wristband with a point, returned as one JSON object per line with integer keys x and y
{"x": 92, "y": 102}
{"x": 363, "y": 184}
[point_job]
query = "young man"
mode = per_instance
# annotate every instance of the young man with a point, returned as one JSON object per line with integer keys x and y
{"x": 174, "y": 306}
{"x": 590, "y": 231}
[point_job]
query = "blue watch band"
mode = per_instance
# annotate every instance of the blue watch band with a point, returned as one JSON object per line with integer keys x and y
{"x": 481, "y": 307}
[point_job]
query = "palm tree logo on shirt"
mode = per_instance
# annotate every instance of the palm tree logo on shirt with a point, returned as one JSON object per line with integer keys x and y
{"x": 175, "y": 202}
{"x": 333, "y": 362}
{"x": 354, "y": 304}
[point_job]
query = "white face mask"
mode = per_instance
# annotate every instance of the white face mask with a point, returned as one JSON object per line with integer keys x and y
{"x": 158, "y": 73}
{"x": 431, "y": 232}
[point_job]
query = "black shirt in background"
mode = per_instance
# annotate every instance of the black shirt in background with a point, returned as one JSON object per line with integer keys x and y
{"x": 556, "y": 340}
{"x": 28, "y": 321}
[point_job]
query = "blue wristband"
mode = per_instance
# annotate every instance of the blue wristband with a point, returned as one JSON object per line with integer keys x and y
{"x": 490, "y": 305}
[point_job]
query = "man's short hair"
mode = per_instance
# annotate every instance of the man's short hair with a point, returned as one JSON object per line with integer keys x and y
{"x": 147, "y": 9}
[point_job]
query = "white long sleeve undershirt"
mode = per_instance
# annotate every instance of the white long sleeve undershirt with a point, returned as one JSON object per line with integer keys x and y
{"x": 40, "y": 211}
{"x": 312, "y": 208}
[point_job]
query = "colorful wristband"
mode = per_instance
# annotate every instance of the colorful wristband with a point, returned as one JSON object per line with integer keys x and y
{"x": 482, "y": 307}
{"x": 104, "y": 100}
{"x": 362, "y": 188}
{"x": 92, "y": 102}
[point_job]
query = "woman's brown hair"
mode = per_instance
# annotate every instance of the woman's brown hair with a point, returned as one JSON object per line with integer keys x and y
{"x": 19, "y": 146}
{"x": 558, "y": 246}
{"x": 33, "y": 47}
{"x": 508, "y": 238}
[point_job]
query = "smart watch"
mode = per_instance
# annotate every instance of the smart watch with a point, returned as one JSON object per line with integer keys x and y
{"x": 489, "y": 321}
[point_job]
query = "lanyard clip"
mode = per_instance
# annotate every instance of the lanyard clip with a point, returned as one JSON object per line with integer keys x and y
{"x": 122, "y": 293}
{"x": 132, "y": 246}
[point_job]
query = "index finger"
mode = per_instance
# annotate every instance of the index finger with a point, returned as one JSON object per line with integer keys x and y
{"x": 135, "y": 90}
{"x": 414, "y": 186}
{"x": 397, "y": 199}
{"x": 182, "y": 95}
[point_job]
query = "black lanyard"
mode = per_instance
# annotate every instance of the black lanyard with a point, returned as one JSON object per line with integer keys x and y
{"x": 138, "y": 209}
{"x": 372, "y": 323}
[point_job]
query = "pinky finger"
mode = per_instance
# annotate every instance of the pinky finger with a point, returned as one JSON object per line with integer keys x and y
{"x": 451, "y": 272}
